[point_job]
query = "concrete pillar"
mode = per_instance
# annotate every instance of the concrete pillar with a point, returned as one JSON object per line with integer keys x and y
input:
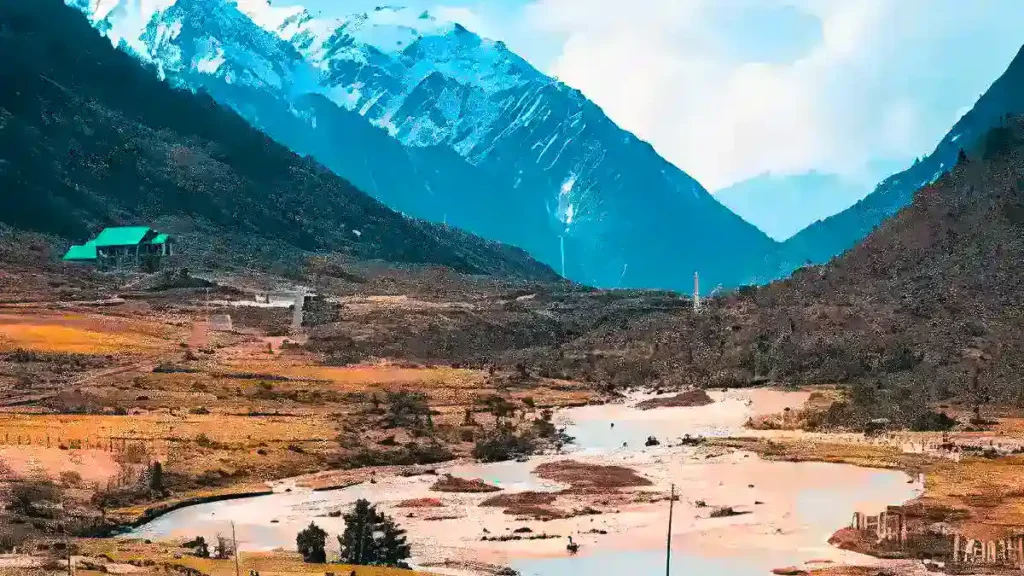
{"x": 300, "y": 301}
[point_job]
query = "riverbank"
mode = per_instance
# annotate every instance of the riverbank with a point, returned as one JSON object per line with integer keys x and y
{"x": 731, "y": 502}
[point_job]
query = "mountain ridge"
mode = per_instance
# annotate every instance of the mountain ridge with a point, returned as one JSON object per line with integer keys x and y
{"x": 527, "y": 160}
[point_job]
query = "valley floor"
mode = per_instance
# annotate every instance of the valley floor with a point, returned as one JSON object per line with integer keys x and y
{"x": 94, "y": 392}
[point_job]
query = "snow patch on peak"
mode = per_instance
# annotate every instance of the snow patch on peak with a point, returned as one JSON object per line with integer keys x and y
{"x": 122, "y": 20}
{"x": 566, "y": 210}
{"x": 391, "y": 29}
{"x": 212, "y": 59}
{"x": 267, "y": 16}
{"x": 100, "y": 9}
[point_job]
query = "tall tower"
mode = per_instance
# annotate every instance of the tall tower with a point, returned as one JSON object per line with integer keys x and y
{"x": 696, "y": 292}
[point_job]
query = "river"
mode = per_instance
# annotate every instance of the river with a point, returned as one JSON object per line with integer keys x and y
{"x": 789, "y": 509}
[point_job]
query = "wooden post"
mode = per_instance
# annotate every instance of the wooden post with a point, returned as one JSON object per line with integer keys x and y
{"x": 668, "y": 542}
{"x": 234, "y": 544}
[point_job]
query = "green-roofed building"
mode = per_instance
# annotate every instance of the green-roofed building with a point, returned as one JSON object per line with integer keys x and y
{"x": 124, "y": 247}
{"x": 81, "y": 253}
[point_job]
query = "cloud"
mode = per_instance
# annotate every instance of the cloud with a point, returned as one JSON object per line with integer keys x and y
{"x": 868, "y": 81}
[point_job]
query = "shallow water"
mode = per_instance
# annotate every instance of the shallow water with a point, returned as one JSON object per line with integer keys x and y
{"x": 817, "y": 510}
{"x": 653, "y": 562}
{"x": 802, "y": 497}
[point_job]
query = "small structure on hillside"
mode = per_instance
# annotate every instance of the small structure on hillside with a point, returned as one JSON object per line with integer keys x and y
{"x": 221, "y": 323}
{"x": 125, "y": 247}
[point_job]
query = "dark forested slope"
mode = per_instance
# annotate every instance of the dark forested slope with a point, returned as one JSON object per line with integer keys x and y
{"x": 88, "y": 137}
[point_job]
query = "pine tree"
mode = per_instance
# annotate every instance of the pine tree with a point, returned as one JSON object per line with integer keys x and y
{"x": 393, "y": 549}
{"x": 372, "y": 539}
{"x": 357, "y": 542}
{"x": 312, "y": 543}
{"x": 156, "y": 477}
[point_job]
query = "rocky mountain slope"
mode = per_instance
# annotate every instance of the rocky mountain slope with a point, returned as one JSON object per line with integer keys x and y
{"x": 88, "y": 137}
{"x": 925, "y": 308}
{"x": 822, "y": 240}
{"x": 923, "y": 312}
{"x": 444, "y": 125}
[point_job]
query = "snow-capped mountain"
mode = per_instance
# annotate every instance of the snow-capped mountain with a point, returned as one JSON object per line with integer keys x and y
{"x": 443, "y": 124}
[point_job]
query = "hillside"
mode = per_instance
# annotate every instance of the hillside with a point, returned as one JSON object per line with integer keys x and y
{"x": 825, "y": 239}
{"x": 906, "y": 319}
{"x": 88, "y": 137}
{"x": 922, "y": 311}
{"x": 442, "y": 124}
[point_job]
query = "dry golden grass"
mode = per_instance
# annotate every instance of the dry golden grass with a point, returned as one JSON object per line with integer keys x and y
{"x": 797, "y": 450}
{"x": 988, "y": 492}
{"x": 362, "y": 377}
{"x": 82, "y": 334}
{"x": 267, "y": 564}
{"x": 235, "y": 430}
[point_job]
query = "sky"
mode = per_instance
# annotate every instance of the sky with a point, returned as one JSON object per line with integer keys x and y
{"x": 730, "y": 89}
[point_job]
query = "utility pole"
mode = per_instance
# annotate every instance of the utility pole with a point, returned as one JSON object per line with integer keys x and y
{"x": 67, "y": 546}
{"x": 668, "y": 542}
{"x": 234, "y": 545}
{"x": 64, "y": 529}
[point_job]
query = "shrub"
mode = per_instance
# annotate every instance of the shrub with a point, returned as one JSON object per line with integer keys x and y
{"x": 38, "y": 499}
{"x": 224, "y": 548}
{"x": 205, "y": 441}
{"x": 406, "y": 408}
{"x": 200, "y": 548}
{"x": 504, "y": 443}
{"x": 932, "y": 422}
{"x": 134, "y": 453}
{"x": 9, "y": 540}
{"x": 70, "y": 478}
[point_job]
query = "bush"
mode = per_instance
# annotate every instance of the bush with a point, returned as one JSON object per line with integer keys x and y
{"x": 134, "y": 453}
{"x": 39, "y": 499}
{"x": 504, "y": 443}
{"x": 406, "y": 409}
{"x": 408, "y": 455}
{"x": 224, "y": 548}
{"x": 9, "y": 540}
{"x": 205, "y": 441}
{"x": 932, "y": 422}
{"x": 200, "y": 548}
{"x": 70, "y": 478}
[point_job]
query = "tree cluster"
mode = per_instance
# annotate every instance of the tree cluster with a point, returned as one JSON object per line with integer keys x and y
{"x": 371, "y": 538}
